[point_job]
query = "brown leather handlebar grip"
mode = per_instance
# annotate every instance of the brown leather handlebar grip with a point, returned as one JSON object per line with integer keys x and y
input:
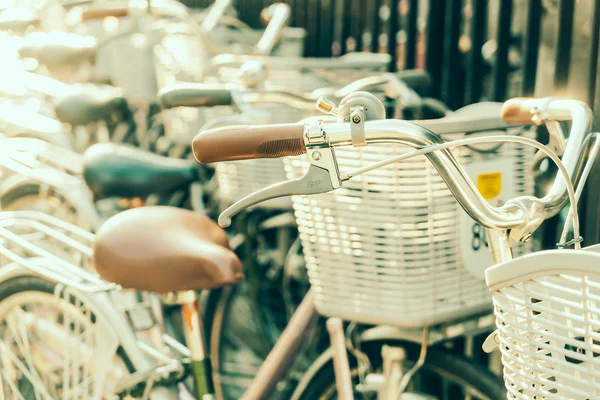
{"x": 234, "y": 143}
{"x": 100, "y": 13}
{"x": 519, "y": 110}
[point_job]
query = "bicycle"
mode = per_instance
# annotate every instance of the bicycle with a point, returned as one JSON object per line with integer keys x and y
{"x": 116, "y": 245}
{"x": 65, "y": 333}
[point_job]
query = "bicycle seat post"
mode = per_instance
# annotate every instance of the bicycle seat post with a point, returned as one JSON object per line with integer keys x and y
{"x": 195, "y": 341}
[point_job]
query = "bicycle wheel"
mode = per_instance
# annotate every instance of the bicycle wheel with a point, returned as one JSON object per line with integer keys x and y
{"x": 444, "y": 376}
{"x": 238, "y": 346}
{"x": 47, "y": 348}
{"x": 32, "y": 197}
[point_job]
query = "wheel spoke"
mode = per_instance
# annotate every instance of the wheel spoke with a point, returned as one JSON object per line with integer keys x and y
{"x": 10, "y": 384}
{"x": 47, "y": 348}
{"x": 16, "y": 322}
{"x": 36, "y": 383}
{"x": 67, "y": 363}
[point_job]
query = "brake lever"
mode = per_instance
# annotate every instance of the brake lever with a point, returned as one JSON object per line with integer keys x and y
{"x": 323, "y": 174}
{"x": 315, "y": 181}
{"x": 322, "y": 177}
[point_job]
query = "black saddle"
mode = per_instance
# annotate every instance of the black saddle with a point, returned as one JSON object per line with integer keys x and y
{"x": 116, "y": 170}
{"x": 87, "y": 106}
{"x": 194, "y": 95}
{"x": 58, "y": 49}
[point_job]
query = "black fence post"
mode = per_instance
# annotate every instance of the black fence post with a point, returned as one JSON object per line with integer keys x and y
{"x": 475, "y": 62}
{"x": 376, "y": 26}
{"x": 531, "y": 44}
{"x": 326, "y": 33}
{"x": 593, "y": 64}
{"x": 566, "y": 12}
{"x": 451, "y": 60}
{"x": 313, "y": 27}
{"x": 411, "y": 34}
{"x": 503, "y": 37}
{"x": 338, "y": 27}
{"x": 394, "y": 27}
{"x": 434, "y": 44}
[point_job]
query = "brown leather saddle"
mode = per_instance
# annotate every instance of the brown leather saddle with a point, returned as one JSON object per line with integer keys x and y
{"x": 165, "y": 249}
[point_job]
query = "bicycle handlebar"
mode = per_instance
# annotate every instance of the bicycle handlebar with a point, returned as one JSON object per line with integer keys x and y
{"x": 194, "y": 95}
{"x": 269, "y": 141}
{"x": 239, "y": 142}
{"x": 520, "y": 110}
{"x": 279, "y": 13}
{"x": 417, "y": 79}
{"x": 396, "y": 84}
{"x": 209, "y": 95}
{"x": 101, "y": 13}
{"x": 488, "y": 118}
{"x": 347, "y": 61}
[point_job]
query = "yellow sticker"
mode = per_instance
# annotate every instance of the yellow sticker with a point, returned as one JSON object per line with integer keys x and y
{"x": 489, "y": 185}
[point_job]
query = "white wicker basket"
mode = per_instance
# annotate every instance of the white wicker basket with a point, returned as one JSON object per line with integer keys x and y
{"x": 386, "y": 248}
{"x": 547, "y": 308}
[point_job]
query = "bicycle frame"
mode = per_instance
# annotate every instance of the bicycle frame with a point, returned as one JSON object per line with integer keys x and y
{"x": 279, "y": 361}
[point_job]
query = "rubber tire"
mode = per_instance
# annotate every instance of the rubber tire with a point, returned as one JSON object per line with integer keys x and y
{"x": 17, "y": 192}
{"x": 25, "y": 284}
{"x": 29, "y": 283}
{"x": 228, "y": 299}
{"x": 28, "y": 189}
{"x": 439, "y": 361}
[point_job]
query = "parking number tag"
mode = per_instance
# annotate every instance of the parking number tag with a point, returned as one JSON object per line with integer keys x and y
{"x": 495, "y": 182}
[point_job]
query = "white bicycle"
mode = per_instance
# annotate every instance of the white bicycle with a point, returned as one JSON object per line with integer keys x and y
{"x": 527, "y": 372}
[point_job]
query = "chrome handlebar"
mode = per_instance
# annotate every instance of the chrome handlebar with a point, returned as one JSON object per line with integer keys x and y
{"x": 517, "y": 213}
{"x": 521, "y": 215}
{"x": 393, "y": 86}
{"x": 415, "y": 136}
{"x": 348, "y": 61}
